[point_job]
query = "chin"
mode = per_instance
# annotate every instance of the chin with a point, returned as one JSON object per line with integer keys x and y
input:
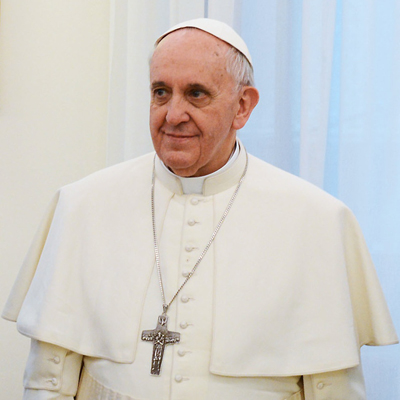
{"x": 180, "y": 163}
{"x": 182, "y": 170}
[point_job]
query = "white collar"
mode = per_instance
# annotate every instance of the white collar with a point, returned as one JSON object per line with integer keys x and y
{"x": 213, "y": 183}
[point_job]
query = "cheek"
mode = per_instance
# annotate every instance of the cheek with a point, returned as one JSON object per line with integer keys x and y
{"x": 215, "y": 127}
{"x": 156, "y": 119}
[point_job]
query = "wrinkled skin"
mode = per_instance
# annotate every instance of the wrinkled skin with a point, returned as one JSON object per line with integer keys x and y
{"x": 195, "y": 106}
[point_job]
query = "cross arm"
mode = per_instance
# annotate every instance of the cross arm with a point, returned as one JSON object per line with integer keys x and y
{"x": 172, "y": 337}
{"x": 148, "y": 335}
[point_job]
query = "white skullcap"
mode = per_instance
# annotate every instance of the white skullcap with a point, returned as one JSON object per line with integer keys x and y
{"x": 216, "y": 28}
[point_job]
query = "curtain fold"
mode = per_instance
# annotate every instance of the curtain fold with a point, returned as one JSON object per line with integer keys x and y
{"x": 317, "y": 41}
{"x": 228, "y": 11}
{"x": 135, "y": 25}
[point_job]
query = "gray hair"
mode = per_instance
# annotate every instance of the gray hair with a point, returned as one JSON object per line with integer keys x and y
{"x": 239, "y": 67}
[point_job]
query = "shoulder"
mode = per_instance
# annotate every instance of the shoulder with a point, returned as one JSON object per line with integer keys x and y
{"x": 282, "y": 188}
{"x": 110, "y": 187}
{"x": 131, "y": 172}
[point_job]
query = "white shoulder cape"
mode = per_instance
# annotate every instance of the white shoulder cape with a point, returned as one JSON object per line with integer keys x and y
{"x": 296, "y": 292}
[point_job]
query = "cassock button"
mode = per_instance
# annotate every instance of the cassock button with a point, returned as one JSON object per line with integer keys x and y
{"x": 183, "y": 325}
{"x": 191, "y": 222}
{"x": 54, "y": 381}
{"x": 184, "y": 299}
{"x": 178, "y": 378}
{"x": 181, "y": 352}
{"x": 189, "y": 248}
{"x": 320, "y": 385}
{"x": 194, "y": 201}
{"x": 56, "y": 360}
{"x": 185, "y": 273}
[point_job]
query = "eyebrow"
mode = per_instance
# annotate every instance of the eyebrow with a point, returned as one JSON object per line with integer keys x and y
{"x": 157, "y": 84}
{"x": 190, "y": 86}
{"x": 198, "y": 86}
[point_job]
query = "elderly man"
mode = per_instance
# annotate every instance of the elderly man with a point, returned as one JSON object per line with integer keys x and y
{"x": 202, "y": 272}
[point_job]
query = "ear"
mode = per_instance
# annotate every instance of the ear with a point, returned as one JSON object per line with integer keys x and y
{"x": 248, "y": 99}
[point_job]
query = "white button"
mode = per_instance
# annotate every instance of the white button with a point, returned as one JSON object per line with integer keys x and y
{"x": 181, "y": 352}
{"x": 320, "y": 385}
{"x": 56, "y": 360}
{"x": 185, "y": 273}
{"x": 189, "y": 248}
{"x": 183, "y": 325}
{"x": 191, "y": 222}
{"x": 184, "y": 299}
{"x": 54, "y": 381}
{"x": 194, "y": 201}
{"x": 178, "y": 378}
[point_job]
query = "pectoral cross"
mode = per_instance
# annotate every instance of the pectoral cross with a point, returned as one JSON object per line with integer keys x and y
{"x": 160, "y": 336}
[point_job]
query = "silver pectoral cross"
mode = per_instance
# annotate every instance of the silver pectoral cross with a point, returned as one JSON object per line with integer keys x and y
{"x": 160, "y": 336}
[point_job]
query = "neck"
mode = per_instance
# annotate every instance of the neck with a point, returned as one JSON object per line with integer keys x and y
{"x": 194, "y": 185}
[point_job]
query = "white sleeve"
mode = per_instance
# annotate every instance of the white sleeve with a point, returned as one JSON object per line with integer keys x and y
{"x": 51, "y": 372}
{"x": 336, "y": 385}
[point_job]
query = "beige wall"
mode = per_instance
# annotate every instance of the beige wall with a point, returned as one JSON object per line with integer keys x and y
{"x": 53, "y": 116}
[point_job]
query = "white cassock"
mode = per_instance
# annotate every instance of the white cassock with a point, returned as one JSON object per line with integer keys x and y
{"x": 287, "y": 290}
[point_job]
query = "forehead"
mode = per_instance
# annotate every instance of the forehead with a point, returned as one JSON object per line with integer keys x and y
{"x": 190, "y": 51}
{"x": 190, "y": 37}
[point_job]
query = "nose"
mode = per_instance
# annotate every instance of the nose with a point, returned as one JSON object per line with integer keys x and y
{"x": 177, "y": 111}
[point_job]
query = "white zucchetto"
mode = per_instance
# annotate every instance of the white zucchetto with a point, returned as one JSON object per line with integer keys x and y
{"x": 216, "y": 28}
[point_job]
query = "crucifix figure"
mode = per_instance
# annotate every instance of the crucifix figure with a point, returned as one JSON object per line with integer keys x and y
{"x": 160, "y": 336}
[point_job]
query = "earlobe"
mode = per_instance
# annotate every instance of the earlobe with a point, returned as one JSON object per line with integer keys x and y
{"x": 247, "y": 102}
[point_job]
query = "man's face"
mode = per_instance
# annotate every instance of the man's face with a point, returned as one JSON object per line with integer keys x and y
{"x": 194, "y": 102}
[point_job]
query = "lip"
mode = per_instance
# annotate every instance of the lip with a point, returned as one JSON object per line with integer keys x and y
{"x": 178, "y": 136}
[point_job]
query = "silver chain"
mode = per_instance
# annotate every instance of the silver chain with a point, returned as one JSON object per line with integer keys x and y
{"x": 214, "y": 234}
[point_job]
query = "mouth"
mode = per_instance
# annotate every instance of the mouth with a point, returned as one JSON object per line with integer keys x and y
{"x": 178, "y": 136}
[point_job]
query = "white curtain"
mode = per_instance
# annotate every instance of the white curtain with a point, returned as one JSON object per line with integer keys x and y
{"x": 135, "y": 25}
{"x": 329, "y": 77}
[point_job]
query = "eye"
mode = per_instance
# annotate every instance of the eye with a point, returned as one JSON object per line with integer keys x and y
{"x": 159, "y": 93}
{"x": 197, "y": 94}
{"x": 199, "y": 97}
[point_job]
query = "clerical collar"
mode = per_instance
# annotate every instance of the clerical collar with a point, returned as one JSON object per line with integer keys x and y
{"x": 213, "y": 183}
